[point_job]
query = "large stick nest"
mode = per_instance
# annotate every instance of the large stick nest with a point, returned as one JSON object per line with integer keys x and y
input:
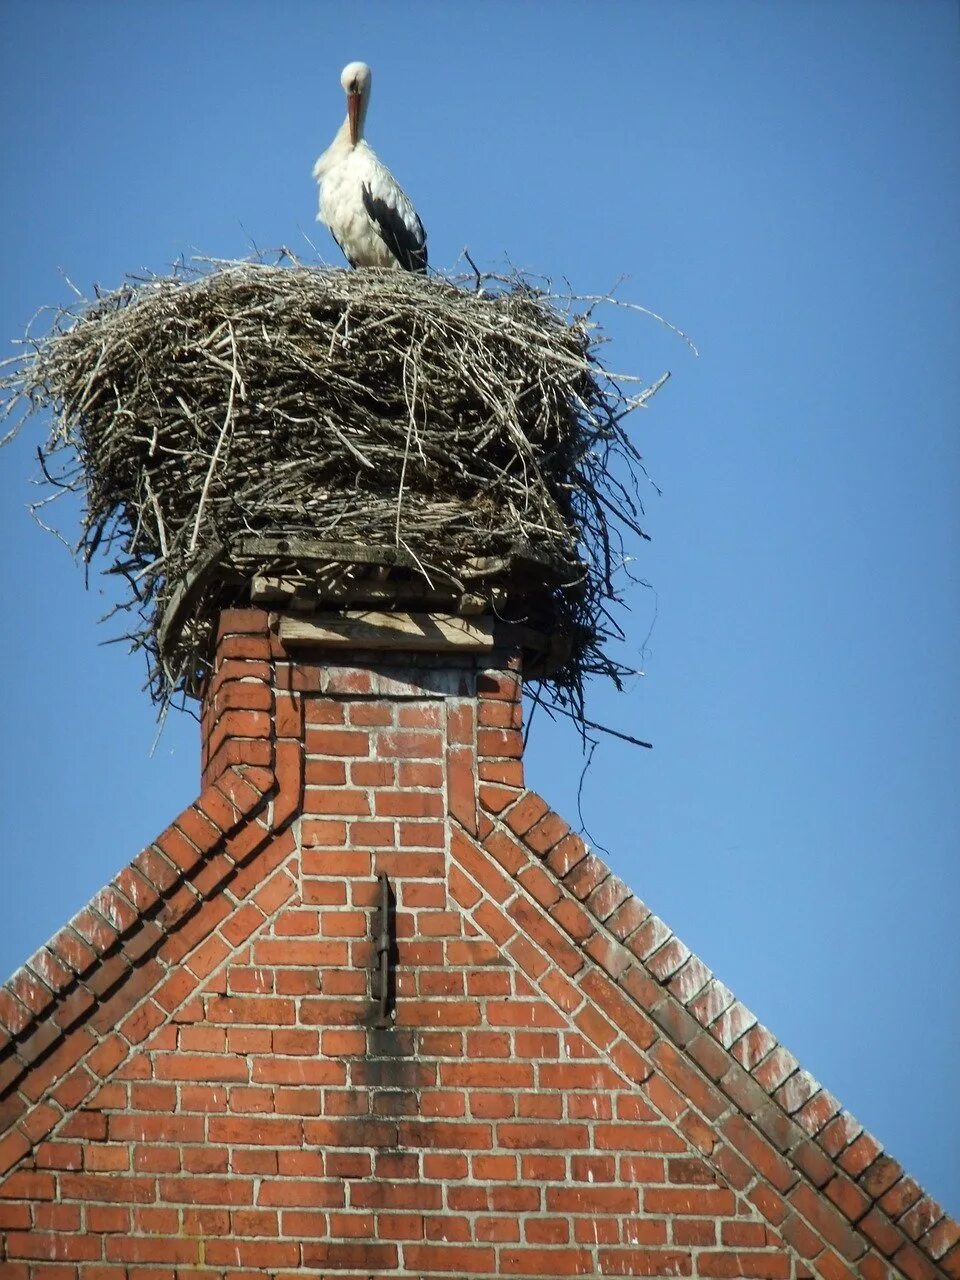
{"x": 457, "y": 431}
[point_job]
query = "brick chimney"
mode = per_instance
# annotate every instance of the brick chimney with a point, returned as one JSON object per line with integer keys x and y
{"x": 387, "y": 731}
{"x": 368, "y": 1008}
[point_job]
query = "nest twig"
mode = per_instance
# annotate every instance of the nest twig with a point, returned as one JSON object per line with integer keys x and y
{"x": 385, "y": 409}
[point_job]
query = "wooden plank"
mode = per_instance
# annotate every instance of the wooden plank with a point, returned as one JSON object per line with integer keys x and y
{"x": 421, "y": 632}
{"x": 185, "y": 597}
{"x": 300, "y": 548}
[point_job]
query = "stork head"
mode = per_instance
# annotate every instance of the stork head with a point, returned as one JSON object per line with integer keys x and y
{"x": 355, "y": 78}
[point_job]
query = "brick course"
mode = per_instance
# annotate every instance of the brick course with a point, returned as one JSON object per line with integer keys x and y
{"x": 193, "y": 1079}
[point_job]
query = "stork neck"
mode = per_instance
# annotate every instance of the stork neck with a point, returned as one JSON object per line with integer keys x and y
{"x": 342, "y": 140}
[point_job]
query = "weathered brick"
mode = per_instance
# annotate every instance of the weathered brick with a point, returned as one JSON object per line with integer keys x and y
{"x": 880, "y": 1176}
{"x": 860, "y": 1154}
{"x": 30, "y": 991}
{"x": 14, "y": 1015}
{"x": 666, "y": 960}
{"x": 826, "y": 1220}
{"x": 754, "y": 1148}
{"x": 688, "y": 1080}
{"x": 652, "y": 934}
{"x": 507, "y": 772}
{"x": 627, "y": 917}
{"x": 527, "y": 811}
{"x": 566, "y": 854}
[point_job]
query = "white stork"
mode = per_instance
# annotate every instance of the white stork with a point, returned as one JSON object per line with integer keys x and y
{"x": 361, "y": 201}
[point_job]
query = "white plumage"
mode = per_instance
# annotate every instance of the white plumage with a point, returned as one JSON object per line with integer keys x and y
{"x": 366, "y": 209}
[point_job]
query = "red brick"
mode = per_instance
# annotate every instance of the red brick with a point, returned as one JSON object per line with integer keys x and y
{"x": 418, "y": 774}
{"x": 608, "y": 897}
{"x": 941, "y": 1237}
{"x": 627, "y": 917}
{"x": 838, "y": 1133}
{"x": 799, "y": 1236}
{"x": 694, "y": 1231}
{"x": 500, "y": 715}
{"x": 241, "y": 622}
{"x": 809, "y": 1159}
{"x": 337, "y": 742}
{"x": 235, "y": 724}
{"x": 14, "y": 1015}
{"x": 408, "y": 804}
{"x": 742, "y": 1265}
{"x": 461, "y": 787}
{"x": 41, "y": 1244}
{"x": 901, "y": 1197}
{"x": 342, "y": 800}
{"x": 255, "y": 1129}
{"x": 588, "y": 875}
{"x": 826, "y": 1220}
{"x": 407, "y": 745}
{"x": 643, "y": 1262}
{"x": 28, "y": 988}
{"x": 500, "y": 743}
{"x": 869, "y": 1267}
{"x": 245, "y": 695}
{"x": 880, "y": 1176}
{"x": 507, "y": 772}
{"x": 456, "y": 1258}
{"x": 548, "y": 832}
{"x": 609, "y": 954}
{"x": 528, "y": 810}
{"x": 12, "y": 1147}
{"x": 371, "y": 714}
{"x": 422, "y": 835}
{"x": 860, "y": 1154}
{"x": 496, "y": 798}
{"x": 914, "y": 1264}
{"x": 419, "y": 716}
{"x": 880, "y": 1230}
{"x": 566, "y": 854}
{"x": 51, "y": 971}
{"x": 815, "y": 1113}
{"x": 755, "y": 1148}
{"x": 703, "y": 1201}
{"x": 498, "y": 685}
{"x": 918, "y": 1220}
{"x": 325, "y": 773}
{"x": 848, "y": 1197}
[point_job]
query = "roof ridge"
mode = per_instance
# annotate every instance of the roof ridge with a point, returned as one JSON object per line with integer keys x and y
{"x": 733, "y": 1049}
{"x": 111, "y": 951}
{"x": 124, "y": 909}
{"x": 59, "y": 1012}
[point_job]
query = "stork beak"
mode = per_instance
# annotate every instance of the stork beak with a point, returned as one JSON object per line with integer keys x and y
{"x": 353, "y": 115}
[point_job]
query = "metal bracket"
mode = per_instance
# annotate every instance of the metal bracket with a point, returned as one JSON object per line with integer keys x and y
{"x": 384, "y": 946}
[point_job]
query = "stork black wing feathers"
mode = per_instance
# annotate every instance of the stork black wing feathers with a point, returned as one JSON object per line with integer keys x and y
{"x": 409, "y": 247}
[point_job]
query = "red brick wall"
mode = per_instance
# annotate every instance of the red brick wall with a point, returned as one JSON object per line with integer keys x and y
{"x": 520, "y": 1115}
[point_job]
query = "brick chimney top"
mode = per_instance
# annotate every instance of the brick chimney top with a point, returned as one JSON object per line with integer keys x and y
{"x": 390, "y": 717}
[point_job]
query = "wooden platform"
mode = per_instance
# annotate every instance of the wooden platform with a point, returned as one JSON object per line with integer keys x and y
{"x": 415, "y": 632}
{"x": 339, "y": 595}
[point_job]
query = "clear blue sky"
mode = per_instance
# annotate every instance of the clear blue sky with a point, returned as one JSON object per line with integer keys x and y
{"x": 781, "y": 180}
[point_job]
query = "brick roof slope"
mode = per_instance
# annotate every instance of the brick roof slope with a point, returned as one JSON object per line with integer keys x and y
{"x": 76, "y": 1014}
{"x": 723, "y": 1061}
